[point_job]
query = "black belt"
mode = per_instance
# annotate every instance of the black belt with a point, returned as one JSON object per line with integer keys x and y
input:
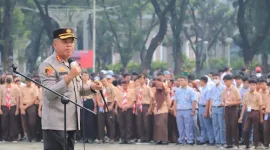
{"x": 234, "y": 106}
{"x": 217, "y": 106}
{"x": 184, "y": 109}
{"x": 202, "y": 105}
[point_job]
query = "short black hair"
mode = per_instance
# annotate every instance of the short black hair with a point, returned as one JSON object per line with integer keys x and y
{"x": 238, "y": 77}
{"x": 204, "y": 78}
{"x": 191, "y": 77}
{"x": 215, "y": 74}
{"x": 126, "y": 74}
{"x": 245, "y": 78}
{"x": 244, "y": 68}
{"x": 134, "y": 73}
{"x": 160, "y": 74}
{"x": 252, "y": 81}
{"x": 268, "y": 84}
{"x": 183, "y": 77}
{"x": 142, "y": 76}
{"x": 220, "y": 71}
{"x": 115, "y": 83}
{"x": 262, "y": 80}
{"x": 228, "y": 77}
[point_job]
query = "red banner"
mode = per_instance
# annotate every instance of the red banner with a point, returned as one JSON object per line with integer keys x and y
{"x": 84, "y": 58}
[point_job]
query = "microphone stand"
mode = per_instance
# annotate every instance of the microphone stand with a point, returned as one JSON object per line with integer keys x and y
{"x": 64, "y": 101}
{"x": 105, "y": 103}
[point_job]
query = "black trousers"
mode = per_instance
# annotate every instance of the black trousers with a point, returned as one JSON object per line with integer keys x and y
{"x": 54, "y": 140}
{"x": 89, "y": 120}
{"x": 38, "y": 123}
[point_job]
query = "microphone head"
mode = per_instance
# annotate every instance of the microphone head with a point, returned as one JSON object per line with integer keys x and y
{"x": 70, "y": 60}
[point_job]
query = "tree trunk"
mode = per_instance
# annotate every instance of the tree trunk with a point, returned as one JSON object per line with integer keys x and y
{"x": 124, "y": 61}
{"x": 156, "y": 41}
{"x": 7, "y": 21}
{"x": 45, "y": 17}
{"x": 199, "y": 64}
{"x": 177, "y": 56}
{"x": 35, "y": 52}
{"x": 248, "y": 56}
{"x": 265, "y": 63}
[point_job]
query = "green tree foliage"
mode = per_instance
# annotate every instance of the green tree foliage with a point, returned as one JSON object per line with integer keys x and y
{"x": 128, "y": 34}
{"x": 253, "y": 21}
{"x": 206, "y": 22}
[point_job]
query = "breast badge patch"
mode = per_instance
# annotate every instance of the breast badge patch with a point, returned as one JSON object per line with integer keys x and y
{"x": 49, "y": 71}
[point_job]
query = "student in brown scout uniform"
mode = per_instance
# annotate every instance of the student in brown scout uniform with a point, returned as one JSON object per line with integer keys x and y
{"x": 144, "y": 97}
{"x": 266, "y": 131}
{"x": 125, "y": 105}
{"x": 28, "y": 96}
{"x": 253, "y": 105}
{"x": 9, "y": 102}
{"x": 262, "y": 83}
{"x": 231, "y": 99}
{"x": 38, "y": 111}
{"x": 161, "y": 109}
{"x": 104, "y": 116}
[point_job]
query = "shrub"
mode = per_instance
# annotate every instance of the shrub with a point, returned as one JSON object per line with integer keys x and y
{"x": 158, "y": 64}
{"x": 133, "y": 66}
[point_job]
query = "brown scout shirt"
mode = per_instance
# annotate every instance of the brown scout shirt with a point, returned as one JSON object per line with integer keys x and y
{"x": 264, "y": 95}
{"x": 14, "y": 92}
{"x": 131, "y": 85}
{"x": 234, "y": 95}
{"x": 253, "y": 99}
{"x": 267, "y": 100}
{"x": 27, "y": 94}
{"x": 131, "y": 97}
{"x": 164, "y": 107}
{"x": 91, "y": 96}
{"x": 110, "y": 93}
{"x": 147, "y": 94}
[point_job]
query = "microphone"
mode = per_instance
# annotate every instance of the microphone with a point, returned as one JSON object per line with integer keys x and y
{"x": 74, "y": 64}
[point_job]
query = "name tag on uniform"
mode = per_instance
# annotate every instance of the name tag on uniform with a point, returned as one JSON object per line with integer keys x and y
{"x": 266, "y": 117}
{"x": 63, "y": 73}
{"x": 249, "y": 108}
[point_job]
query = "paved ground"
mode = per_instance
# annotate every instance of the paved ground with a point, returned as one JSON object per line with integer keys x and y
{"x": 38, "y": 146}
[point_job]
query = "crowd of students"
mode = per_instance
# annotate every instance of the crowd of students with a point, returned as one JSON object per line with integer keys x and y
{"x": 218, "y": 109}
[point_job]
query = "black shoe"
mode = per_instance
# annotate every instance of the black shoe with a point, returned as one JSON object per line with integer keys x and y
{"x": 211, "y": 144}
{"x": 228, "y": 146}
{"x": 201, "y": 143}
{"x": 190, "y": 144}
{"x": 164, "y": 143}
{"x": 158, "y": 142}
{"x": 122, "y": 141}
{"x": 181, "y": 144}
{"x": 90, "y": 141}
{"x": 85, "y": 141}
{"x": 129, "y": 142}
